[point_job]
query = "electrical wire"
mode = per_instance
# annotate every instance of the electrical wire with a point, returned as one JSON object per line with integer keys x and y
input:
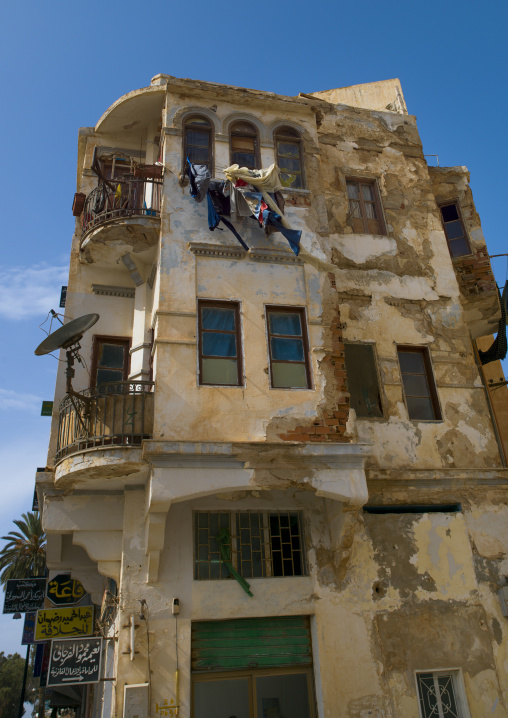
{"x": 176, "y": 639}
{"x": 41, "y": 325}
{"x": 177, "y": 674}
{"x": 144, "y": 605}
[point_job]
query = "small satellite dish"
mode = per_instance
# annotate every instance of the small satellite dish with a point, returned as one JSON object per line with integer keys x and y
{"x": 67, "y": 335}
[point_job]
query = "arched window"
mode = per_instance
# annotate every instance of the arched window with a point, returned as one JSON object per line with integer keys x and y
{"x": 198, "y": 141}
{"x": 244, "y": 143}
{"x": 288, "y": 148}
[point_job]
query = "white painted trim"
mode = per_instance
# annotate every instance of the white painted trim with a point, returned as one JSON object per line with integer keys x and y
{"x": 458, "y": 684}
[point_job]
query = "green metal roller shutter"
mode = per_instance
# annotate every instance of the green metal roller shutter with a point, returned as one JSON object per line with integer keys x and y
{"x": 251, "y": 643}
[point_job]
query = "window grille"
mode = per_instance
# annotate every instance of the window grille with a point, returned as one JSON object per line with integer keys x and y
{"x": 438, "y": 695}
{"x": 263, "y": 544}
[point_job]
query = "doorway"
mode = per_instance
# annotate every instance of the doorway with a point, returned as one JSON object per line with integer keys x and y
{"x": 257, "y": 694}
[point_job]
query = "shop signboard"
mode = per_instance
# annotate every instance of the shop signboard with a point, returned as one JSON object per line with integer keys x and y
{"x": 64, "y": 622}
{"x": 24, "y": 594}
{"x": 75, "y": 661}
{"x": 62, "y": 590}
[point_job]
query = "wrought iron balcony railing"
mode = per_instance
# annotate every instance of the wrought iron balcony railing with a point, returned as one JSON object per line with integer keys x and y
{"x": 114, "y": 414}
{"x": 114, "y": 199}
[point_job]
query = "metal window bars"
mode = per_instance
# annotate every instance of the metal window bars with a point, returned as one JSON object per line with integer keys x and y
{"x": 113, "y": 414}
{"x": 121, "y": 197}
{"x": 263, "y": 544}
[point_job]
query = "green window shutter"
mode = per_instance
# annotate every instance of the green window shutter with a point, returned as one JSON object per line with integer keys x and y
{"x": 251, "y": 643}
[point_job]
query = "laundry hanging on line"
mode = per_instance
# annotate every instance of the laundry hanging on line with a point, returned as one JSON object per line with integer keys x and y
{"x": 250, "y": 193}
{"x": 498, "y": 349}
{"x": 199, "y": 176}
{"x": 218, "y": 206}
{"x": 264, "y": 180}
{"x": 268, "y": 218}
{"x": 293, "y": 236}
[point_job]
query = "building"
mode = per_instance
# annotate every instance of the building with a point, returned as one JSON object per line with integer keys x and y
{"x": 311, "y": 429}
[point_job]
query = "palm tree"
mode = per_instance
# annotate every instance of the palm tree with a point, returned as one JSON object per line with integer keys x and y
{"x": 24, "y": 554}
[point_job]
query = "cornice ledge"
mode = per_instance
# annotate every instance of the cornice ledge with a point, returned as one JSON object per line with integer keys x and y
{"x": 110, "y": 290}
{"x": 254, "y": 454}
{"x": 280, "y": 256}
{"x": 204, "y": 249}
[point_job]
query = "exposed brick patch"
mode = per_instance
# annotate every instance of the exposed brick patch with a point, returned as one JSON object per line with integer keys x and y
{"x": 297, "y": 200}
{"x": 475, "y": 274}
{"x": 330, "y": 423}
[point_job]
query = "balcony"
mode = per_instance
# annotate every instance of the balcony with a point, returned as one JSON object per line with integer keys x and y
{"x": 116, "y": 414}
{"x": 120, "y": 216}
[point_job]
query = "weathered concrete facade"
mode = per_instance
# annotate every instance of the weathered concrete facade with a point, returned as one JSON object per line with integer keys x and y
{"x": 407, "y": 585}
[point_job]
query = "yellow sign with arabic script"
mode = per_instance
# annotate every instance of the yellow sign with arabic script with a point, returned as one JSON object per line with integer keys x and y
{"x": 63, "y": 589}
{"x": 64, "y": 622}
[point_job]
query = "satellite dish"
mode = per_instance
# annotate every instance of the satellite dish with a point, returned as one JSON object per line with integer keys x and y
{"x": 67, "y": 335}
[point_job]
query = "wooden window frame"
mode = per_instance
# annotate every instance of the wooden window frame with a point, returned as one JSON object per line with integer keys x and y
{"x": 377, "y": 203}
{"x": 99, "y": 339}
{"x": 111, "y": 161}
{"x": 306, "y": 347}
{"x": 188, "y": 125}
{"x": 465, "y": 234}
{"x": 295, "y": 139}
{"x": 238, "y": 332}
{"x": 251, "y": 675}
{"x": 429, "y": 374}
{"x": 254, "y": 133}
{"x": 372, "y": 345}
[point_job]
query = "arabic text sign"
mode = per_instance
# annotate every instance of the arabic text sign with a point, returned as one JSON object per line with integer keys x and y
{"x": 63, "y": 590}
{"x": 75, "y": 660}
{"x": 64, "y": 622}
{"x": 24, "y": 594}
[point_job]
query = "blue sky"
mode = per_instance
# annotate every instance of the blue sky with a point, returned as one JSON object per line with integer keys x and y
{"x": 63, "y": 63}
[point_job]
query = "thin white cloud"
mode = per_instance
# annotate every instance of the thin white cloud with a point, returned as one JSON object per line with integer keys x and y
{"x": 30, "y": 291}
{"x": 19, "y": 460}
{"x": 15, "y": 400}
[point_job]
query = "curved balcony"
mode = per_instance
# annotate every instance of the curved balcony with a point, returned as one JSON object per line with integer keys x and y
{"x": 123, "y": 215}
{"x": 115, "y": 414}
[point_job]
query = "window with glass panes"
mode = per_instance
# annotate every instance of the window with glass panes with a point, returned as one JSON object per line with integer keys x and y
{"x": 262, "y": 544}
{"x": 439, "y": 695}
{"x": 110, "y": 360}
{"x": 219, "y": 343}
{"x": 364, "y": 207}
{"x": 288, "y": 348}
{"x": 289, "y": 158}
{"x": 198, "y": 141}
{"x": 362, "y": 379}
{"x": 244, "y": 145}
{"x": 418, "y": 382}
{"x": 456, "y": 236}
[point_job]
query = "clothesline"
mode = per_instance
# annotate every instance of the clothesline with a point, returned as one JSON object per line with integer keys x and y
{"x": 241, "y": 201}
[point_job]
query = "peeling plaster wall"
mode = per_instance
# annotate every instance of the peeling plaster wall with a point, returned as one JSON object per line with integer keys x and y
{"x": 392, "y": 594}
{"x": 401, "y": 289}
{"x": 383, "y": 95}
{"x": 389, "y": 594}
{"x": 474, "y": 273}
